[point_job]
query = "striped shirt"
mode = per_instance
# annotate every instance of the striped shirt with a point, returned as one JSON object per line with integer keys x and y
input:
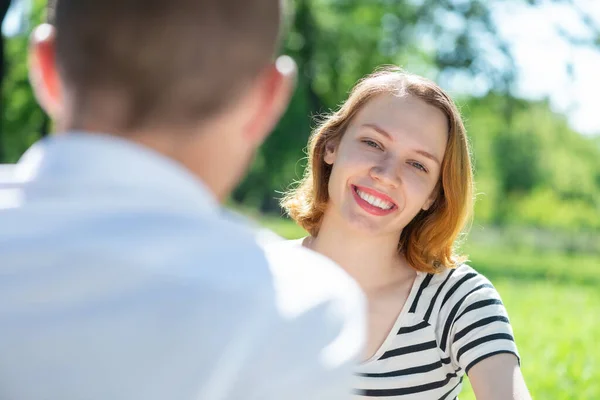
{"x": 450, "y": 322}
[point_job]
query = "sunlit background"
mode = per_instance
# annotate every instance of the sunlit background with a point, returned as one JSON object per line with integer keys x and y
{"x": 526, "y": 74}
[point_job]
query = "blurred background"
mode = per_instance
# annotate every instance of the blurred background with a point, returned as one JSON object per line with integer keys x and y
{"x": 526, "y": 75}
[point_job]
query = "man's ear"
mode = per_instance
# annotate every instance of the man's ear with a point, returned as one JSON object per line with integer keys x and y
{"x": 330, "y": 153}
{"x": 271, "y": 96}
{"x": 43, "y": 71}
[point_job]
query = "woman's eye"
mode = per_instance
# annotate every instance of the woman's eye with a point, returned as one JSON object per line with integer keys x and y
{"x": 419, "y": 166}
{"x": 372, "y": 143}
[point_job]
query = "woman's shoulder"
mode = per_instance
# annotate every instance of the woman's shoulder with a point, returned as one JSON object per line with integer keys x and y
{"x": 453, "y": 287}
{"x": 471, "y": 322}
{"x": 462, "y": 275}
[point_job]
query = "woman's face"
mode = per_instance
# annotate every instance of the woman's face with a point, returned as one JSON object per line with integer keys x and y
{"x": 387, "y": 164}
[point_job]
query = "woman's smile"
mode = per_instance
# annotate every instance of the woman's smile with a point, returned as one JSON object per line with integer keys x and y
{"x": 372, "y": 201}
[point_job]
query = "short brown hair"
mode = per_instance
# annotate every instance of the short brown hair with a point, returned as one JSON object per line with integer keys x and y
{"x": 428, "y": 241}
{"x": 168, "y": 62}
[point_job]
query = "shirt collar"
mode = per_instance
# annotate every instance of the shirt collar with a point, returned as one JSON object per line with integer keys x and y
{"x": 86, "y": 158}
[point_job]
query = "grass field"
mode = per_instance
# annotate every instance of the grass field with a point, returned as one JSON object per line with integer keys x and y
{"x": 553, "y": 300}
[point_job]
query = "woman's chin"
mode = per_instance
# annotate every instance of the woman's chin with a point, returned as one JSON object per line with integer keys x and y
{"x": 366, "y": 225}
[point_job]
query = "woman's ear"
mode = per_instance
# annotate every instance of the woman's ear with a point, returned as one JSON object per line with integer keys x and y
{"x": 330, "y": 153}
{"x": 429, "y": 203}
{"x": 437, "y": 192}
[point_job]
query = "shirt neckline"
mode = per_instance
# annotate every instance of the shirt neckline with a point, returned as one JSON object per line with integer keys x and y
{"x": 81, "y": 159}
{"x": 399, "y": 320}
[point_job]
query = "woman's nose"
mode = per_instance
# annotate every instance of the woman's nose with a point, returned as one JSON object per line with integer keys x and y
{"x": 386, "y": 173}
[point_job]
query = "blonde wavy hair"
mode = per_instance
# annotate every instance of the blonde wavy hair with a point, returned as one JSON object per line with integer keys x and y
{"x": 428, "y": 241}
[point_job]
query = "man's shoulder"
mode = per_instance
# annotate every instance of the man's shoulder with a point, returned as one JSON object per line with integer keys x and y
{"x": 210, "y": 247}
{"x": 7, "y": 173}
{"x": 307, "y": 283}
{"x": 295, "y": 266}
{"x": 298, "y": 290}
{"x": 201, "y": 249}
{"x": 290, "y": 260}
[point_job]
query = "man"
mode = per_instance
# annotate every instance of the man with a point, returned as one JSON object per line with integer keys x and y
{"x": 120, "y": 277}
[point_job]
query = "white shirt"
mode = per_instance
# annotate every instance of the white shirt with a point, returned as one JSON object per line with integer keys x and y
{"x": 121, "y": 278}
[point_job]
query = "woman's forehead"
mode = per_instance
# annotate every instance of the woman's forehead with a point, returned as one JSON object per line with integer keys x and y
{"x": 404, "y": 117}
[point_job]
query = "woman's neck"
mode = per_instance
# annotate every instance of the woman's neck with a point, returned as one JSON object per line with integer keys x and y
{"x": 373, "y": 261}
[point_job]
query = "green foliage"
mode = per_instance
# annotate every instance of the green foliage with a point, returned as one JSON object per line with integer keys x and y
{"x": 547, "y": 208}
{"x": 22, "y": 119}
{"x": 517, "y": 156}
{"x": 535, "y": 171}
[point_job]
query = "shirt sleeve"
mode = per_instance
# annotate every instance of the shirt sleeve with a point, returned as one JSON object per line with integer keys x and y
{"x": 481, "y": 327}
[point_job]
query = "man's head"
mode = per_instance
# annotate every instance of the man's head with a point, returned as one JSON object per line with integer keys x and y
{"x": 194, "y": 79}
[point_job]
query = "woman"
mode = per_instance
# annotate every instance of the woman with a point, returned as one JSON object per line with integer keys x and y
{"x": 386, "y": 194}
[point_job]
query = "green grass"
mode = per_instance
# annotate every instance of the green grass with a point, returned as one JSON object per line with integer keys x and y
{"x": 557, "y": 331}
{"x": 553, "y": 300}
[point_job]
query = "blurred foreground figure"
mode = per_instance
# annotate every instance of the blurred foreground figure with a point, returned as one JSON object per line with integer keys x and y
{"x": 120, "y": 276}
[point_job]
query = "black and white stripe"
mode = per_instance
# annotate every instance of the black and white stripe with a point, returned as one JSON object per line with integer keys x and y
{"x": 454, "y": 321}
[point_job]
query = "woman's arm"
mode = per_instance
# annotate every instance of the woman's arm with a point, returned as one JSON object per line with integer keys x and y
{"x": 498, "y": 378}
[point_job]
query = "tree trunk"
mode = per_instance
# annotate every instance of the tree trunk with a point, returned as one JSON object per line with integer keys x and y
{"x": 305, "y": 23}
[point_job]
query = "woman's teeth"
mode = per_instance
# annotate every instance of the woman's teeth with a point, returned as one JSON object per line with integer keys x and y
{"x": 374, "y": 201}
